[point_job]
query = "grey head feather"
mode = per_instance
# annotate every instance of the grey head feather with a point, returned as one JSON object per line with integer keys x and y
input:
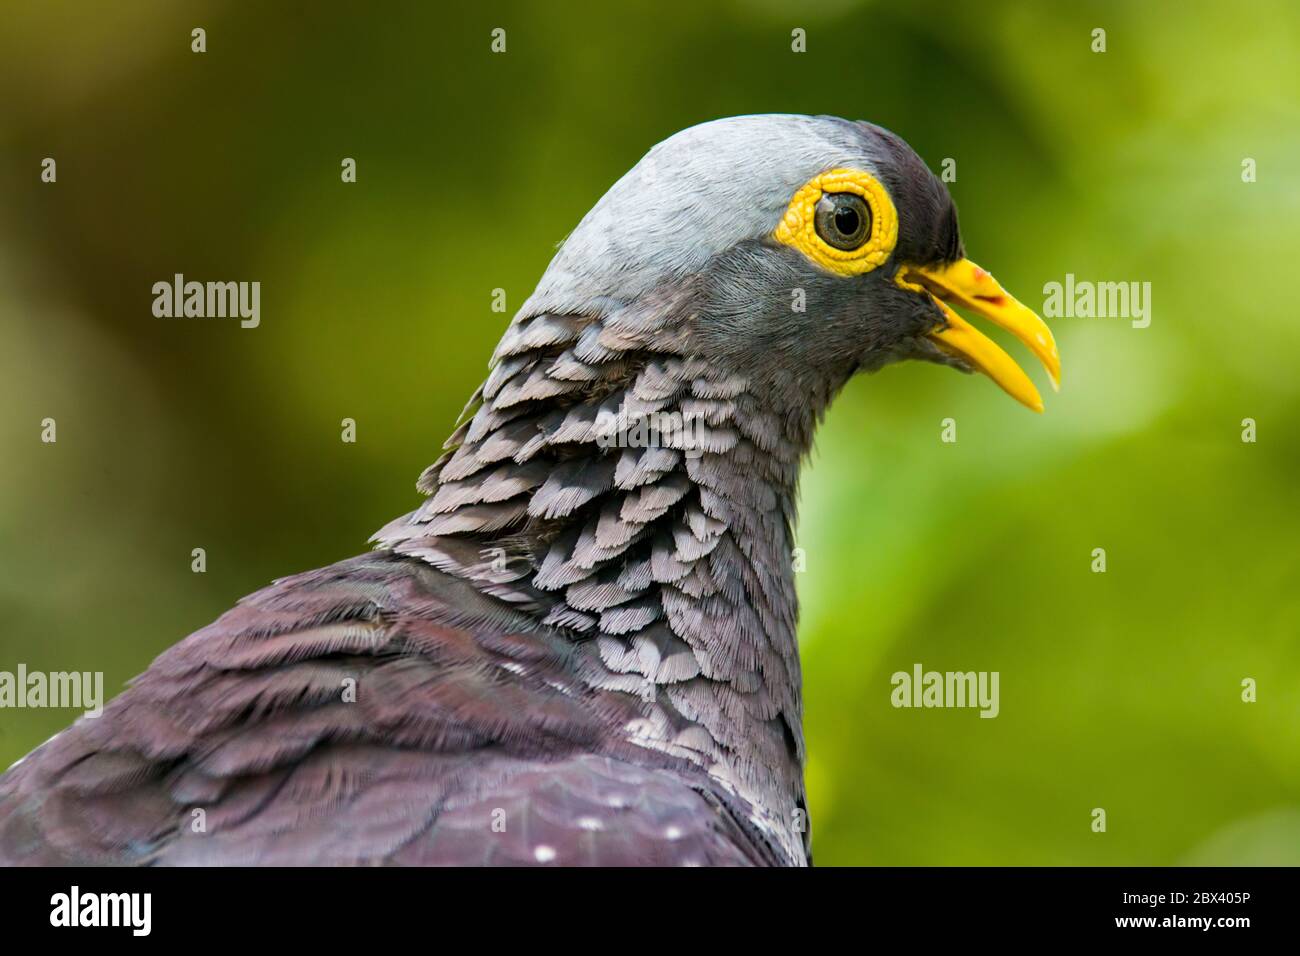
{"x": 713, "y": 186}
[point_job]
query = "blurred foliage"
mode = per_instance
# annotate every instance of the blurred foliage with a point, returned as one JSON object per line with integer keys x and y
{"x": 1119, "y": 690}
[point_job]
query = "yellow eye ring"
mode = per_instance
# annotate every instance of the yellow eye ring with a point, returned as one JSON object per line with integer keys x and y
{"x": 798, "y": 227}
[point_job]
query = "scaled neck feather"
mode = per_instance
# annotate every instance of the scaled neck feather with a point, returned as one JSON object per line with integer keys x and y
{"x": 642, "y": 501}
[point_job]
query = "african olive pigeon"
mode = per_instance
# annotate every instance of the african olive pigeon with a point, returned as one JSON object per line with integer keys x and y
{"x": 580, "y": 648}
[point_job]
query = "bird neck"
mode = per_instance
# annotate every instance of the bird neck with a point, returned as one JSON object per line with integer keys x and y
{"x": 642, "y": 504}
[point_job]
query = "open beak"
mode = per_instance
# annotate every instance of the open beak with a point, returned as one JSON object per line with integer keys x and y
{"x": 965, "y": 284}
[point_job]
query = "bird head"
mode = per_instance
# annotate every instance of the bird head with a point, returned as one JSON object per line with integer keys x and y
{"x": 794, "y": 250}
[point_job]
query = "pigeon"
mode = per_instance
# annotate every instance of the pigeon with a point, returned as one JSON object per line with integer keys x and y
{"x": 581, "y": 648}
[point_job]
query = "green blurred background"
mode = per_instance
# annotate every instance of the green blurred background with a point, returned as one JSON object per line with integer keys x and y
{"x": 1118, "y": 690}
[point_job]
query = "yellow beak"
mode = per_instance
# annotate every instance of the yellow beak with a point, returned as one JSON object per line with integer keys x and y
{"x": 966, "y": 284}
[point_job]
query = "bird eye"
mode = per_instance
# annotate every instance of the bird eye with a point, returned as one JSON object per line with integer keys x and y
{"x": 843, "y": 220}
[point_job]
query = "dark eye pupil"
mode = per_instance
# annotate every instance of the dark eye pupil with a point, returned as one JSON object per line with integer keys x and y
{"x": 843, "y": 220}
